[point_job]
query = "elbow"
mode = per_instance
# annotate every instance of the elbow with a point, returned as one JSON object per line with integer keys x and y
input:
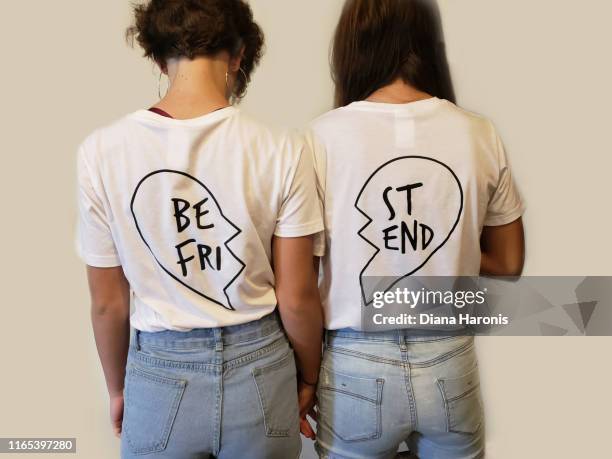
{"x": 292, "y": 305}
{"x": 119, "y": 310}
{"x": 298, "y": 304}
{"x": 513, "y": 267}
{"x": 514, "y": 271}
{"x": 505, "y": 266}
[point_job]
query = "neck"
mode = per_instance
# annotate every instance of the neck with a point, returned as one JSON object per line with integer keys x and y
{"x": 197, "y": 87}
{"x": 398, "y": 92}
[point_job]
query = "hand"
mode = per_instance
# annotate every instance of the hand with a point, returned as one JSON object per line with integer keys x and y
{"x": 306, "y": 400}
{"x": 116, "y": 413}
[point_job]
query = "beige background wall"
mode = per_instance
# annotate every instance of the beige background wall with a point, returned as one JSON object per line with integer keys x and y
{"x": 540, "y": 69}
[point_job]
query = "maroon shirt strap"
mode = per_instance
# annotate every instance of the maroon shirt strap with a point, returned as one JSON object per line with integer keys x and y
{"x": 159, "y": 111}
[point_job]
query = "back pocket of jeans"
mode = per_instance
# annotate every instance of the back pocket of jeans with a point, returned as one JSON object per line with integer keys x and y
{"x": 462, "y": 402}
{"x": 350, "y": 406}
{"x": 276, "y": 385}
{"x": 151, "y": 404}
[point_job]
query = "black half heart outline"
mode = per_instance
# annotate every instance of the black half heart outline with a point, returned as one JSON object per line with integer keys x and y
{"x": 238, "y": 231}
{"x": 370, "y": 220}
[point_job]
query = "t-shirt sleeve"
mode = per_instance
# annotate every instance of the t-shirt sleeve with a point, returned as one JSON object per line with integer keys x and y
{"x": 505, "y": 205}
{"x": 94, "y": 241}
{"x": 300, "y": 212}
{"x": 320, "y": 165}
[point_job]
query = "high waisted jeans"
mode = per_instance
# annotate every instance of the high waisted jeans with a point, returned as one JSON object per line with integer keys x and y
{"x": 378, "y": 390}
{"x": 226, "y": 392}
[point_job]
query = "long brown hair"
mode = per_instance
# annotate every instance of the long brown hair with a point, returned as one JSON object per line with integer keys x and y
{"x": 378, "y": 41}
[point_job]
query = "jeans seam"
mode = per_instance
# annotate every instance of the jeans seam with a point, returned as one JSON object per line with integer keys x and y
{"x": 367, "y": 337}
{"x": 444, "y": 357}
{"x": 380, "y": 384}
{"x": 364, "y": 338}
{"x": 445, "y": 403}
{"x": 167, "y": 363}
{"x": 218, "y": 411}
{"x": 350, "y": 394}
{"x": 266, "y": 326}
{"x": 160, "y": 379}
{"x": 247, "y": 358}
{"x": 464, "y": 394}
{"x": 410, "y": 392}
{"x": 205, "y": 367}
{"x": 376, "y": 435}
{"x": 361, "y": 355}
{"x": 429, "y": 363}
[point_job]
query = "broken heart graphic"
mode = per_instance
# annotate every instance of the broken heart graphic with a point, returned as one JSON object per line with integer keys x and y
{"x": 182, "y": 224}
{"x": 412, "y": 204}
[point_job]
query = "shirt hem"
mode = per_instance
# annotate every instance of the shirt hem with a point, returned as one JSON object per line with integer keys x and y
{"x": 306, "y": 229}
{"x": 96, "y": 261}
{"x": 507, "y": 218}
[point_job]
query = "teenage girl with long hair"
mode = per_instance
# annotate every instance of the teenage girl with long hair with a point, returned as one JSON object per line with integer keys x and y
{"x": 413, "y": 186}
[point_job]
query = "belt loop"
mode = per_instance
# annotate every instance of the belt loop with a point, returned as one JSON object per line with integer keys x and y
{"x": 218, "y": 339}
{"x": 401, "y": 339}
{"x": 136, "y": 339}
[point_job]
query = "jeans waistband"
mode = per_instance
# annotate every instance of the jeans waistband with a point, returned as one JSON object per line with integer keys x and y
{"x": 210, "y": 337}
{"x": 397, "y": 336}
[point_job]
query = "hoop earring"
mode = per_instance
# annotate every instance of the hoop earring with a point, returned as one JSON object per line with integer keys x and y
{"x": 246, "y": 78}
{"x": 159, "y": 87}
{"x": 231, "y": 90}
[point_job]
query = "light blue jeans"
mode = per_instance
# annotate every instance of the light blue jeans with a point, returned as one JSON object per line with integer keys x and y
{"x": 378, "y": 390}
{"x": 227, "y": 393}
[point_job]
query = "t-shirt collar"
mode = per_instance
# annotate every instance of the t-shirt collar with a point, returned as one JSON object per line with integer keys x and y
{"x": 417, "y": 107}
{"x": 212, "y": 117}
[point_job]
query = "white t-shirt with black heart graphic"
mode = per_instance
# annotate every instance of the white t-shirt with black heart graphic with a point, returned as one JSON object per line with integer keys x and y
{"x": 189, "y": 209}
{"x": 407, "y": 190}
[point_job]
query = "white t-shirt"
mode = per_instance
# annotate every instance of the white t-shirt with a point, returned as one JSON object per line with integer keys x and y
{"x": 407, "y": 190}
{"x": 189, "y": 208}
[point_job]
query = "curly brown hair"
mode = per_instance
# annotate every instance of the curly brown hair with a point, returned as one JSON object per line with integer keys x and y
{"x": 190, "y": 28}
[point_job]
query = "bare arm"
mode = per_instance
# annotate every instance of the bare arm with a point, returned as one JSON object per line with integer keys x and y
{"x": 299, "y": 303}
{"x": 110, "y": 310}
{"x": 503, "y": 249}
